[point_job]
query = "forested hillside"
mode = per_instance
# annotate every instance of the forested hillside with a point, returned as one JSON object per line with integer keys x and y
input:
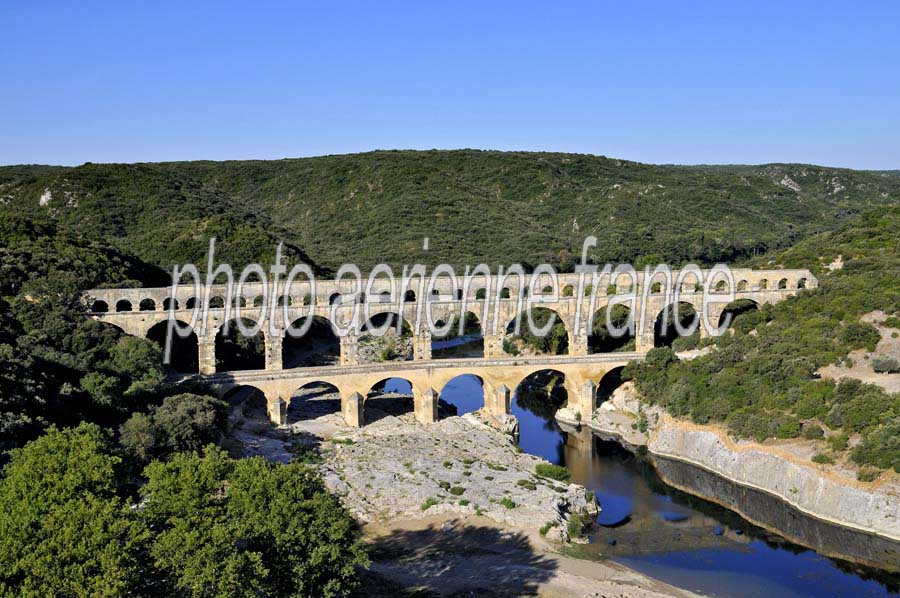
{"x": 475, "y": 206}
{"x": 764, "y": 380}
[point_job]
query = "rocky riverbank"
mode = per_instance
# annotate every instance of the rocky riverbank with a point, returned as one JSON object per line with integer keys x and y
{"x": 394, "y": 468}
{"x": 782, "y": 469}
{"x": 451, "y": 508}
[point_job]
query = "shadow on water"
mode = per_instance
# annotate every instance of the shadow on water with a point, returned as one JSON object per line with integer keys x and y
{"x": 467, "y": 560}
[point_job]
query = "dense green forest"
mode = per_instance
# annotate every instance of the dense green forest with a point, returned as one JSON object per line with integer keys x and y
{"x": 474, "y": 206}
{"x": 90, "y": 427}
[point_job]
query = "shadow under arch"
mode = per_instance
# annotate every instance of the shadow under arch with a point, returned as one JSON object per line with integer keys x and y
{"x": 535, "y": 402}
{"x": 670, "y": 318}
{"x": 183, "y": 357}
{"x": 609, "y": 383}
{"x": 313, "y": 400}
{"x": 555, "y": 342}
{"x": 468, "y": 342}
{"x": 247, "y": 407}
{"x": 602, "y": 339}
{"x": 460, "y": 395}
{"x": 388, "y": 397}
{"x": 235, "y": 351}
{"x": 319, "y": 345}
{"x": 735, "y": 309}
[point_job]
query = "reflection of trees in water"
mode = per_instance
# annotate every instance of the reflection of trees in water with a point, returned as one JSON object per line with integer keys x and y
{"x": 543, "y": 394}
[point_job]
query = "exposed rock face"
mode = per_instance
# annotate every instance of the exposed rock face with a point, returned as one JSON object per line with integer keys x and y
{"x": 400, "y": 469}
{"x": 388, "y": 347}
{"x": 395, "y": 468}
{"x": 873, "y": 508}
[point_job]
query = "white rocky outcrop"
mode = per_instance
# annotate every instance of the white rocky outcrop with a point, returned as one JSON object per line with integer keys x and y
{"x": 872, "y": 507}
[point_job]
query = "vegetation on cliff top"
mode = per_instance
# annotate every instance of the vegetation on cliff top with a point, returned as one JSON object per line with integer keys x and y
{"x": 762, "y": 380}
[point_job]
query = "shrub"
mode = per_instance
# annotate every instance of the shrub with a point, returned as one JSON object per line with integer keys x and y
{"x": 430, "y": 502}
{"x": 546, "y": 528}
{"x": 457, "y": 490}
{"x": 838, "y": 442}
{"x": 527, "y": 484}
{"x": 857, "y": 335}
{"x": 868, "y": 474}
{"x": 508, "y": 502}
{"x": 883, "y": 364}
{"x": 891, "y": 322}
{"x": 184, "y": 422}
{"x": 577, "y": 524}
{"x": 554, "y": 472}
{"x": 823, "y": 458}
{"x": 812, "y": 431}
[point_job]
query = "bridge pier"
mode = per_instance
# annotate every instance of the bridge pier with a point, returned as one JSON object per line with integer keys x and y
{"x": 425, "y": 405}
{"x": 349, "y": 349}
{"x": 352, "y": 408}
{"x": 493, "y": 345}
{"x": 643, "y": 341}
{"x": 273, "y": 350}
{"x": 579, "y": 345}
{"x": 206, "y": 355}
{"x": 422, "y": 346}
{"x": 585, "y": 402}
{"x": 277, "y": 410}
{"x": 497, "y": 400}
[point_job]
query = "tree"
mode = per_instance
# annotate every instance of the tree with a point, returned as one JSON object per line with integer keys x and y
{"x": 63, "y": 528}
{"x": 248, "y": 527}
{"x": 184, "y": 422}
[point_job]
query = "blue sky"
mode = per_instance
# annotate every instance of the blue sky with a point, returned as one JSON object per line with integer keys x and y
{"x": 661, "y": 82}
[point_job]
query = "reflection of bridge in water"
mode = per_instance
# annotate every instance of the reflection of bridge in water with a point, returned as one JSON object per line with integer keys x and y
{"x": 141, "y": 311}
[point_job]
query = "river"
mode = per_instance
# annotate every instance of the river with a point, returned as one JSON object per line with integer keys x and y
{"x": 673, "y": 536}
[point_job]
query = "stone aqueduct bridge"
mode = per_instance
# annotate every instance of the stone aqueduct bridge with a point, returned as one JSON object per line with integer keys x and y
{"x": 137, "y": 310}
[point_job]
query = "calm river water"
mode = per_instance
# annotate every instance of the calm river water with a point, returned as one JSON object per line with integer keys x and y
{"x": 673, "y": 536}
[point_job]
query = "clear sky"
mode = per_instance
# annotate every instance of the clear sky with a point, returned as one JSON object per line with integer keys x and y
{"x": 667, "y": 82}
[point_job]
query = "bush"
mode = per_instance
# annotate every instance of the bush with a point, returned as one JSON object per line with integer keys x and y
{"x": 577, "y": 525}
{"x": 891, "y": 322}
{"x": 184, "y": 422}
{"x": 822, "y": 458}
{"x": 857, "y": 335}
{"x": 527, "y": 484}
{"x": 838, "y": 442}
{"x": 546, "y": 528}
{"x": 882, "y": 364}
{"x": 881, "y": 447}
{"x": 811, "y": 431}
{"x": 508, "y": 502}
{"x": 868, "y": 474}
{"x": 554, "y": 472}
{"x": 457, "y": 490}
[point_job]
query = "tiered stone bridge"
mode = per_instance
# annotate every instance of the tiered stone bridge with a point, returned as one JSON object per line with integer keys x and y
{"x": 137, "y": 311}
